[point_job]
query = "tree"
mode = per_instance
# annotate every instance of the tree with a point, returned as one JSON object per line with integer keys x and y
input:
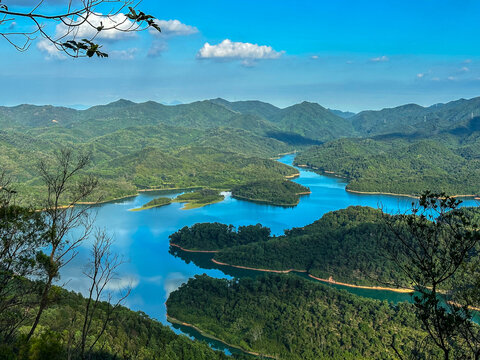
{"x": 77, "y": 26}
{"x": 101, "y": 271}
{"x": 68, "y": 225}
{"x": 22, "y": 234}
{"x": 437, "y": 249}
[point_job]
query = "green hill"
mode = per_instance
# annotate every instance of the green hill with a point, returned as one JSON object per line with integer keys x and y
{"x": 398, "y": 166}
{"x": 286, "y": 317}
{"x": 313, "y": 121}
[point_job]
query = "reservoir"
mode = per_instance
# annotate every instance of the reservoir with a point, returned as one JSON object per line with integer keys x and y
{"x": 141, "y": 237}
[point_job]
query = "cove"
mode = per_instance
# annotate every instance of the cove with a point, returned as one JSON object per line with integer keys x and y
{"x": 142, "y": 237}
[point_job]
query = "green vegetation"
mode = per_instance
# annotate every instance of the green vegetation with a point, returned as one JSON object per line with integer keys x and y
{"x": 348, "y": 245}
{"x": 398, "y": 166}
{"x": 414, "y": 148}
{"x": 157, "y": 202}
{"x": 292, "y": 318}
{"x": 215, "y": 236}
{"x": 283, "y": 192}
{"x": 199, "y": 198}
{"x": 129, "y": 335}
{"x": 345, "y": 245}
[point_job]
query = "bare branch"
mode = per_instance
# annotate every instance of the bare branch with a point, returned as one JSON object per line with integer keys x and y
{"x": 61, "y": 29}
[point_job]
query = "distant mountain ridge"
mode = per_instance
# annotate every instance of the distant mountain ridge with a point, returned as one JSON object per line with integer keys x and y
{"x": 249, "y": 128}
{"x": 412, "y": 118}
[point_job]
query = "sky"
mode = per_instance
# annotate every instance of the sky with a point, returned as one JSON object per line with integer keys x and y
{"x": 350, "y": 55}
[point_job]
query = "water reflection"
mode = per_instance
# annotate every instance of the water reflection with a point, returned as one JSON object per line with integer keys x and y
{"x": 142, "y": 236}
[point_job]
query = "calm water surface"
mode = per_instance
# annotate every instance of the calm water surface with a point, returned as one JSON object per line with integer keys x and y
{"x": 142, "y": 236}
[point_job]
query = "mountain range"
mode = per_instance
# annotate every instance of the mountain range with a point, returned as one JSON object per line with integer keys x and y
{"x": 251, "y": 129}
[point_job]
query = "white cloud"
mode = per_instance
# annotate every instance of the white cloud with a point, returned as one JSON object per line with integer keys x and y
{"x": 380, "y": 59}
{"x": 128, "y": 54}
{"x": 122, "y": 283}
{"x": 173, "y": 282}
{"x": 88, "y": 30}
{"x": 51, "y": 52}
{"x": 119, "y": 21}
{"x": 420, "y": 75}
{"x": 314, "y": 57}
{"x": 464, "y": 69}
{"x": 451, "y": 78}
{"x": 157, "y": 48}
{"x": 170, "y": 28}
{"x": 229, "y": 50}
{"x": 173, "y": 28}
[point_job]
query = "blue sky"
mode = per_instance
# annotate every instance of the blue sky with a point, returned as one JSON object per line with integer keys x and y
{"x": 351, "y": 55}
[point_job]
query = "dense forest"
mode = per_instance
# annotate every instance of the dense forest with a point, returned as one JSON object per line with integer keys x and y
{"x": 287, "y": 317}
{"x": 215, "y": 236}
{"x": 349, "y": 245}
{"x": 399, "y": 166}
{"x": 280, "y": 192}
{"x": 129, "y": 335}
{"x": 150, "y": 145}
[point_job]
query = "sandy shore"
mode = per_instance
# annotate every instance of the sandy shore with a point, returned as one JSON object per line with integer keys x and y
{"x": 195, "y": 251}
{"x": 256, "y": 269}
{"x": 329, "y": 281}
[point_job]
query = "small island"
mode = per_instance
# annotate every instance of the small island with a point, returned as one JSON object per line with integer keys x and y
{"x": 272, "y": 192}
{"x": 157, "y": 202}
{"x": 211, "y": 237}
{"x": 199, "y": 198}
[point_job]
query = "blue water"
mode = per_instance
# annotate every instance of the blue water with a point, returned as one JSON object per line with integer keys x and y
{"x": 142, "y": 236}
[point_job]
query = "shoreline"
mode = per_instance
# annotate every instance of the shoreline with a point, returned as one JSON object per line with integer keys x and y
{"x": 150, "y": 207}
{"x": 257, "y": 269}
{"x": 195, "y": 251}
{"x": 379, "y": 193}
{"x": 268, "y": 202}
{"x": 404, "y": 195}
{"x": 332, "y": 173}
{"x": 333, "y": 282}
{"x": 189, "y": 204}
{"x": 207, "y": 335}
{"x": 329, "y": 281}
{"x": 293, "y": 176}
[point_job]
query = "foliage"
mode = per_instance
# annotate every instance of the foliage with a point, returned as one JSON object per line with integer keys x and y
{"x": 283, "y": 192}
{"x": 129, "y": 335}
{"x": 434, "y": 244}
{"x": 86, "y": 17}
{"x": 157, "y": 202}
{"x": 396, "y": 166}
{"x": 215, "y": 236}
{"x": 292, "y": 318}
{"x": 200, "y": 197}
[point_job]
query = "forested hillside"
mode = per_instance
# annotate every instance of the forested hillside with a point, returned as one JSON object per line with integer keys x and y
{"x": 129, "y": 335}
{"x": 286, "y": 317}
{"x": 400, "y": 166}
{"x": 412, "y": 149}
{"x": 348, "y": 246}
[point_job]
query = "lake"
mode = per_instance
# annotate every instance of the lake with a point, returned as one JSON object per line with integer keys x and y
{"x": 142, "y": 236}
